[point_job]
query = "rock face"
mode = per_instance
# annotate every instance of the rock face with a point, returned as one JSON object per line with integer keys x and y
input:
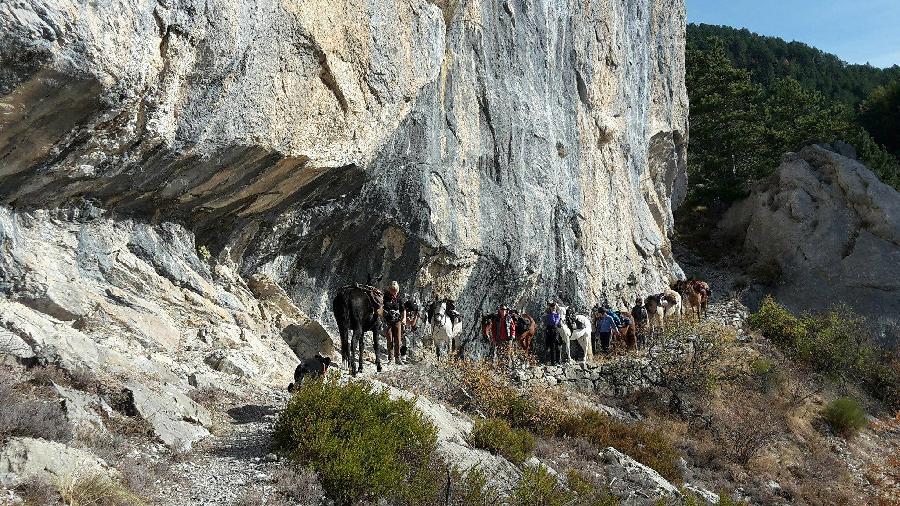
{"x": 830, "y": 230}
{"x": 635, "y": 483}
{"x": 24, "y": 458}
{"x": 138, "y": 307}
{"x": 486, "y": 151}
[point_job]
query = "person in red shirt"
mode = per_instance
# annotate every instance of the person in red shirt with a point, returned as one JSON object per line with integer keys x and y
{"x": 502, "y": 328}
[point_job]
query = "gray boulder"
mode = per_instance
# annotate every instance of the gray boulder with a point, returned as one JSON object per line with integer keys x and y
{"x": 635, "y": 483}
{"x": 829, "y": 231}
{"x": 22, "y": 458}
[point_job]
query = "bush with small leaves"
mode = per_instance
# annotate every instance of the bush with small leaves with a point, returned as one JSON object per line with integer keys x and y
{"x": 588, "y": 492}
{"x": 364, "y": 445}
{"x": 844, "y": 416}
{"x": 496, "y": 436}
{"x": 24, "y": 414}
{"x": 836, "y": 343}
{"x": 472, "y": 489}
{"x": 640, "y": 442}
{"x": 538, "y": 487}
{"x": 766, "y": 373}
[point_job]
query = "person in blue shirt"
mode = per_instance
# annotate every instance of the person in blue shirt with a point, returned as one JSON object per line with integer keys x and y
{"x": 605, "y": 327}
{"x": 552, "y": 334}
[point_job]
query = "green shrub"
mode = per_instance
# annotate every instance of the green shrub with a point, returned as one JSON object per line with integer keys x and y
{"x": 844, "y": 416}
{"x": 640, "y": 442}
{"x": 588, "y": 493}
{"x": 472, "y": 489}
{"x": 777, "y": 323}
{"x": 766, "y": 372}
{"x": 836, "y": 343}
{"x": 497, "y": 436}
{"x": 538, "y": 487}
{"x": 363, "y": 444}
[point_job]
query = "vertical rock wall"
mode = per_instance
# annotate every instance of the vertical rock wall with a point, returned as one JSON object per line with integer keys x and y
{"x": 484, "y": 150}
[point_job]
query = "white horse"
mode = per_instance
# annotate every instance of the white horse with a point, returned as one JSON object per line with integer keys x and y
{"x": 671, "y": 303}
{"x": 582, "y": 335}
{"x": 446, "y": 325}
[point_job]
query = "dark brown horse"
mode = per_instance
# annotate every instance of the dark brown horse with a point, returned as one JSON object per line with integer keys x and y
{"x": 526, "y": 328}
{"x": 358, "y": 308}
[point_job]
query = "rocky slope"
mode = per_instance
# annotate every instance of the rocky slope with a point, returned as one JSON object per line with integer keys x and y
{"x": 827, "y": 231}
{"x": 484, "y": 150}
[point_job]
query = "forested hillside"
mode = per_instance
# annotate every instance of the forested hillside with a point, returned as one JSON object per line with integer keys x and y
{"x": 754, "y": 98}
{"x": 771, "y": 58}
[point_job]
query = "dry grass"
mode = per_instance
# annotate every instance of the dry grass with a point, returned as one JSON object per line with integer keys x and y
{"x": 38, "y": 492}
{"x": 26, "y": 411}
{"x": 94, "y": 489}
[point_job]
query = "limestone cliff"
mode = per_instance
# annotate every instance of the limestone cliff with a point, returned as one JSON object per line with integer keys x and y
{"x": 830, "y": 230}
{"x": 487, "y": 150}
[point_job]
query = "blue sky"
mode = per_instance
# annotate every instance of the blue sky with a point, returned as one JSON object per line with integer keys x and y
{"x": 857, "y": 31}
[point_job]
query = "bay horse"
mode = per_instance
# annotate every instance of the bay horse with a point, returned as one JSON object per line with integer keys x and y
{"x": 526, "y": 328}
{"x": 627, "y": 332}
{"x": 358, "y": 308}
{"x": 695, "y": 294}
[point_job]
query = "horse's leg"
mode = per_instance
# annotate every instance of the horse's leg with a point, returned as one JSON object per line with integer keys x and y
{"x": 353, "y": 348}
{"x": 588, "y": 348}
{"x": 375, "y": 343}
{"x": 345, "y": 346}
{"x": 568, "y": 340}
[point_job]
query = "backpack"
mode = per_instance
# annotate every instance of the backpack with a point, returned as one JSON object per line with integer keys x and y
{"x": 616, "y": 318}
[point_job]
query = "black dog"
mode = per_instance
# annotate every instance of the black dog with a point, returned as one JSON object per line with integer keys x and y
{"x": 315, "y": 367}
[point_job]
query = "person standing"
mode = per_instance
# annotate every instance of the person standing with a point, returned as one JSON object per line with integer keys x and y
{"x": 552, "y": 341}
{"x": 641, "y": 319}
{"x": 502, "y": 328}
{"x": 605, "y": 328}
{"x": 394, "y": 315}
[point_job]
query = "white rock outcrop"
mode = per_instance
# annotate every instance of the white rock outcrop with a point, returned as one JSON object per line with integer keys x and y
{"x": 436, "y": 142}
{"x": 831, "y": 232}
{"x": 24, "y": 458}
{"x": 136, "y": 306}
{"x": 635, "y": 483}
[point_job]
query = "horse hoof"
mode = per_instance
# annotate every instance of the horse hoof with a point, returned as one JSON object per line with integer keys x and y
{"x": 378, "y": 367}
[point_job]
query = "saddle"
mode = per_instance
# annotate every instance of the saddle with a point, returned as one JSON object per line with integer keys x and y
{"x": 521, "y": 324}
{"x": 376, "y": 296}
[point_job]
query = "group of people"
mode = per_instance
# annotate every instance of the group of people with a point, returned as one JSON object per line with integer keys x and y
{"x": 605, "y": 324}
{"x": 507, "y": 325}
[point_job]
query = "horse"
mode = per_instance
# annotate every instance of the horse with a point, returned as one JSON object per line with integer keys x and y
{"x": 410, "y": 323}
{"x": 577, "y": 328}
{"x": 526, "y": 328}
{"x": 655, "y": 311}
{"x": 695, "y": 294}
{"x": 358, "y": 308}
{"x": 446, "y": 324}
{"x": 314, "y": 367}
{"x": 671, "y": 303}
{"x": 705, "y": 291}
{"x": 627, "y": 332}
